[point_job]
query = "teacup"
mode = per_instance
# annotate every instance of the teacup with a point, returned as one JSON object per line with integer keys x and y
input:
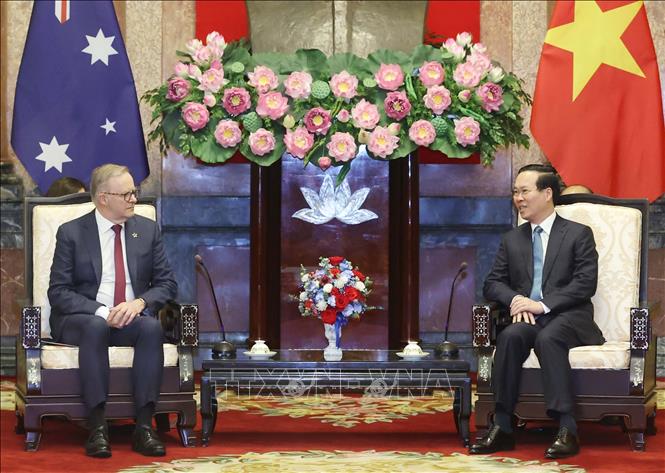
{"x": 412, "y": 349}
{"x": 259, "y": 348}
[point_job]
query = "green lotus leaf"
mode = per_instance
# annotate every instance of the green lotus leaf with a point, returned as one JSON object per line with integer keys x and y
{"x": 449, "y": 149}
{"x": 351, "y": 63}
{"x": 386, "y": 56}
{"x": 209, "y": 151}
{"x": 424, "y": 53}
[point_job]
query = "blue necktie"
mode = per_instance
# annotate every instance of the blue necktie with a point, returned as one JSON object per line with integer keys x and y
{"x": 536, "y": 289}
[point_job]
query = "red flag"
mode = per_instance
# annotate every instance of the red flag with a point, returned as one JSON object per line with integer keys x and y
{"x": 597, "y": 112}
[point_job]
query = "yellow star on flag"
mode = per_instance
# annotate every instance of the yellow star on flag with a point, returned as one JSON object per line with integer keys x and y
{"x": 594, "y": 38}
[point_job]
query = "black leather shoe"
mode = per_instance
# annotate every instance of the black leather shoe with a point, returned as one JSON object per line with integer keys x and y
{"x": 495, "y": 440}
{"x": 565, "y": 445}
{"x": 98, "y": 445}
{"x": 146, "y": 442}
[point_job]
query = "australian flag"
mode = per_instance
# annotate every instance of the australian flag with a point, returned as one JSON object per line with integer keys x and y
{"x": 75, "y": 105}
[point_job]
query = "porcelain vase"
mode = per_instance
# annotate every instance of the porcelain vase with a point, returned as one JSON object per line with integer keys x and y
{"x": 332, "y": 352}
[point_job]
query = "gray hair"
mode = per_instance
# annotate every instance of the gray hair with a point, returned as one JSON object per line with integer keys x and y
{"x": 101, "y": 175}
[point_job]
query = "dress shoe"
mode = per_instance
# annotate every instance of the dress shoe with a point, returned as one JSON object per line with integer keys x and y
{"x": 494, "y": 441}
{"x": 98, "y": 445}
{"x": 146, "y": 442}
{"x": 565, "y": 445}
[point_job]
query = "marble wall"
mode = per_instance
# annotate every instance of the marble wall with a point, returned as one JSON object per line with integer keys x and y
{"x": 217, "y": 195}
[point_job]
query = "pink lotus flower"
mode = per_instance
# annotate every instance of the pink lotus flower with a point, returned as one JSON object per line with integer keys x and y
{"x": 178, "y": 89}
{"x": 324, "y": 162}
{"x": 437, "y": 99}
{"x": 181, "y": 69}
{"x": 466, "y": 75}
{"x": 389, "y": 76}
{"x": 194, "y": 72}
{"x": 455, "y": 49}
{"x": 397, "y": 106}
{"x": 298, "y": 85}
{"x": 217, "y": 40}
{"x": 464, "y": 95}
{"x": 344, "y": 85}
{"x": 431, "y": 73}
{"x": 491, "y": 96}
{"x": 195, "y": 115}
{"x": 317, "y": 120}
{"x": 467, "y": 131}
{"x": 382, "y": 143}
{"x": 298, "y": 142}
{"x": 263, "y": 79}
{"x": 365, "y": 115}
{"x": 203, "y": 56}
{"x": 481, "y": 62}
{"x": 464, "y": 38}
{"x": 216, "y": 64}
{"x": 228, "y": 134}
{"x": 193, "y": 45}
{"x": 422, "y": 133}
{"x": 496, "y": 74}
{"x": 342, "y": 147}
{"x": 209, "y": 100}
{"x": 394, "y": 128}
{"x": 212, "y": 80}
{"x": 261, "y": 142}
{"x": 236, "y": 100}
{"x": 344, "y": 116}
{"x": 479, "y": 48}
{"x": 273, "y": 105}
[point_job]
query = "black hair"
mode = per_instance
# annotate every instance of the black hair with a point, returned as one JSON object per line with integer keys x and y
{"x": 64, "y": 186}
{"x": 547, "y": 177}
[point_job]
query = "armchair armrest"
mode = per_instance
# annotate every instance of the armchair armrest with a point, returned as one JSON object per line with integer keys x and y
{"x": 28, "y": 351}
{"x": 181, "y": 323}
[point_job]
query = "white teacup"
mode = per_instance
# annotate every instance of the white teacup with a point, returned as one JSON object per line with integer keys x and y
{"x": 259, "y": 348}
{"x": 412, "y": 349}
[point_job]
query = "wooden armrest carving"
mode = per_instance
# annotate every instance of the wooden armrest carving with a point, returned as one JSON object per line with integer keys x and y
{"x": 481, "y": 326}
{"x": 180, "y": 323}
{"x": 31, "y": 327}
{"x": 640, "y": 328}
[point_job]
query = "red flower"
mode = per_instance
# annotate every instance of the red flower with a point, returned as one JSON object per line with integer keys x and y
{"x": 341, "y": 301}
{"x": 352, "y": 293}
{"x": 309, "y": 304}
{"x": 334, "y": 271}
{"x": 336, "y": 260}
{"x": 328, "y": 316}
{"x": 325, "y": 280}
{"x": 359, "y": 275}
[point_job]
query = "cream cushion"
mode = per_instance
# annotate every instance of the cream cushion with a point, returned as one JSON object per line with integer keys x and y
{"x": 618, "y": 234}
{"x": 60, "y": 358}
{"x": 46, "y": 219}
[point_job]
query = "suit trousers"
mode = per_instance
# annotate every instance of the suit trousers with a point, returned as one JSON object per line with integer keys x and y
{"x": 552, "y": 337}
{"x": 93, "y": 336}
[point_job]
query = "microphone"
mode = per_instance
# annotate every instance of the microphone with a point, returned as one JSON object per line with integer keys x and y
{"x": 447, "y": 349}
{"x": 224, "y": 348}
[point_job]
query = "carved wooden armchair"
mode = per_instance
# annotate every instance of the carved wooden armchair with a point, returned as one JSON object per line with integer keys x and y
{"x": 47, "y": 380}
{"x": 617, "y": 378}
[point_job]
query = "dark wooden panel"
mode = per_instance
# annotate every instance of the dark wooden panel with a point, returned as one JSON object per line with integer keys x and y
{"x": 229, "y": 270}
{"x": 438, "y": 267}
{"x": 188, "y": 176}
{"x": 467, "y": 179}
{"x": 365, "y": 244}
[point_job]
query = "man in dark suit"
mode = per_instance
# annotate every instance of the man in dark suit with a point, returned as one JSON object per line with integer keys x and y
{"x": 109, "y": 274}
{"x": 546, "y": 271}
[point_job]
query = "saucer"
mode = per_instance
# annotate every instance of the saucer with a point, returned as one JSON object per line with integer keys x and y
{"x": 260, "y": 356}
{"x": 401, "y": 354}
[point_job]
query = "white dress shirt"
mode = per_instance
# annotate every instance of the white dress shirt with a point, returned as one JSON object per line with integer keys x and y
{"x": 546, "y": 225}
{"x": 107, "y": 284}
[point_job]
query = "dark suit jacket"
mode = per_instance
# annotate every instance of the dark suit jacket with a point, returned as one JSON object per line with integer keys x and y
{"x": 570, "y": 274}
{"x": 77, "y": 267}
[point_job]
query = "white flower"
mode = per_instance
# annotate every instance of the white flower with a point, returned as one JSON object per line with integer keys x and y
{"x": 304, "y": 278}
{"x": 344, "y": 279}
{"x": 339, "y": 284}
{"x": 463, "y": 39}
{"x": 359, "y": 285}
{"x": 303, "y": 296}
{"x": 193, "y": 45}
{"x": 327, "y": 288}
{"x": 480, "y": 48}
{"x": 496, "y": 74}
{"x": 321, "y": 305}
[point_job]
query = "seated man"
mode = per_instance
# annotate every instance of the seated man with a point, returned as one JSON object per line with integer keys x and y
{"x": 109, "y": 272}
{"x": 546, "y": 271}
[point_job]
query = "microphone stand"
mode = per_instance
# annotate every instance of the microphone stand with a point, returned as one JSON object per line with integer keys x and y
{"x": 224, "y": 348}
{"x": 448, "y": 349}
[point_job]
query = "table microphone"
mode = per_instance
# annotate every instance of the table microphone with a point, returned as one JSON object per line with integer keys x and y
{"x": 447, "y": 349}
{"x": 224, "y": 348}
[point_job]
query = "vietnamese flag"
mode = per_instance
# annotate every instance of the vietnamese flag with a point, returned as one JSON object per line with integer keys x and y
{"x": 597, "y": 112}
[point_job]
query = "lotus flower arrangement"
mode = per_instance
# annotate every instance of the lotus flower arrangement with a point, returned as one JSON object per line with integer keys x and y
{"x": 223, "y": 100}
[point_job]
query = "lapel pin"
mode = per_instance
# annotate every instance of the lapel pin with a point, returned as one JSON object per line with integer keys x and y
{"x": 135, "y": 235}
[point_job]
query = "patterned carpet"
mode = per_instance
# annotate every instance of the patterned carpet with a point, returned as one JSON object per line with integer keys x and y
{"x": 361, "y": 422}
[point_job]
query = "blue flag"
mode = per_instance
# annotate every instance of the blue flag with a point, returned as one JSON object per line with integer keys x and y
{"x": 75, "y": 105}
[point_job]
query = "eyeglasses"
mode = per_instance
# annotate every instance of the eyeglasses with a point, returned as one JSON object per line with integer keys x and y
{"x": 126, "y": 195}
{"x": 522, "y": 193}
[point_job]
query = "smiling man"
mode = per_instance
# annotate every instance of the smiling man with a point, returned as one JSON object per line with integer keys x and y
{"x": 109, "y": 274}
{"x": 546, "y": 272}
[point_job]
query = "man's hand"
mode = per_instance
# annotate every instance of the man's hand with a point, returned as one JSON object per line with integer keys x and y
{"x": 524, "y": 317}
{"x": 524, "y": 309}
{"x": 123, "y": 314}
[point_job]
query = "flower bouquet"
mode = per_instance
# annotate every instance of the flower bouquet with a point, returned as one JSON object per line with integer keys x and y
{"x": 334, "y": 292}
{"x": 222, "y": 99}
